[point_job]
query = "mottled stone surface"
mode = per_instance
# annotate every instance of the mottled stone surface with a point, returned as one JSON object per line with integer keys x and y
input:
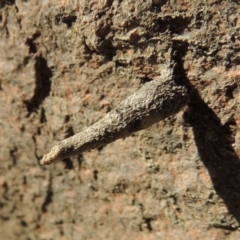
{"x": 64, "y": 65}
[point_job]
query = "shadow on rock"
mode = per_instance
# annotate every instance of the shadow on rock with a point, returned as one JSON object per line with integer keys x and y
{"x": 213, "y": 140}
{"x": 42, "y": 84}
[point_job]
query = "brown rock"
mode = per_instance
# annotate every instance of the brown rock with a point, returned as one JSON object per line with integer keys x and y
{"x": 60, "y": 61}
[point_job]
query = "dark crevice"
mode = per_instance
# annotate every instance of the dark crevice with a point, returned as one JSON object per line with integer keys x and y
{"x": 13, "y": 155}
{"x": 104, "y": 48}
{"x": 68, "y": 163}
{"x": 229, "y": 89}
{"x": 228, "y": 228}
{"x": 25, "y": 60}
{"x": 236, "y": 1}
{"x": 66, "y": 119}
{"x": 35, "y": 146}
{"x": 49, "y": 196}
{"x": 7, "y": 31}
{"x": 66, "y": 19}
{"x": 121, "y": 63}
{"x": 80, "y": 161}
{"x": 147, "y": 221}
{"x": 217, "y": 154}
{"x": 69, "y": 20}
{"x": 42, "y": 116}
{"x": 95, "y": 175}
{"x": 31, "y": 44}
{"x": 156, "y": 5}
{"x": 42, "y": 84}
{"x": 173, "y": 25}
{"x": 109, "y": 3}
{"x": 5, "y": 188}
{"x": 69, "y": 132}
{"x": 145, "y": 79}
{"x": 23, "y": 223}
{"x": 6, "y": 2}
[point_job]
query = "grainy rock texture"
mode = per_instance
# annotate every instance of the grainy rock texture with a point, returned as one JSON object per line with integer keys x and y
{"x": 64, "y": 65}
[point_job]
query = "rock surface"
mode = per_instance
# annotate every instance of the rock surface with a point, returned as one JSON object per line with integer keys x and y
{"x": 64, "y": 65}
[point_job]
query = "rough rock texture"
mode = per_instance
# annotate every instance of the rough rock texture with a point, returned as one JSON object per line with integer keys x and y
{"x": 64, "y": 65}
